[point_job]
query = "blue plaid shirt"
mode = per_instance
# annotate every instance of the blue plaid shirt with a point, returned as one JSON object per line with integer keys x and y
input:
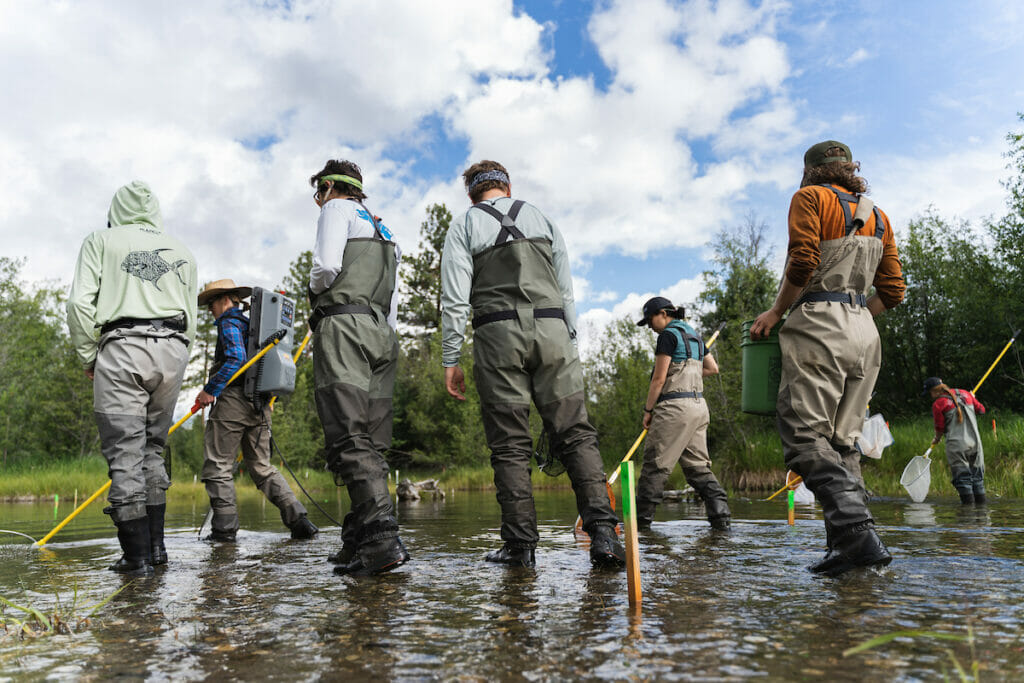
{"x": 232, "y": 328}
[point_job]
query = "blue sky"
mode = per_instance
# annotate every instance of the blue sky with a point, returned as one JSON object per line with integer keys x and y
{"x": 642, "y": 127}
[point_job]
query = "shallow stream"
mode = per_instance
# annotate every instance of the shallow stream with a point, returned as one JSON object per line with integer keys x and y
{"x": 716, "y": 606}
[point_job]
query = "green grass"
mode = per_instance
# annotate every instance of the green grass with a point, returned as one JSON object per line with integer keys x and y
{"x": 756, "y": 466}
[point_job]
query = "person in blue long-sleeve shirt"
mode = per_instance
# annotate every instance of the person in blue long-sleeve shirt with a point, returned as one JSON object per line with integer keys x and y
{"x": 235, "y": 421}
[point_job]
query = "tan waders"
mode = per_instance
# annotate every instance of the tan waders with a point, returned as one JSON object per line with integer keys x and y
{"x": 355, "y": 354}
{"x": 964, "y": 452}
{"x": 522, "y": 351}
{"x": 679, "y": 433}
{"x": 235, "y": 423}
{"x": 830, "y": 359}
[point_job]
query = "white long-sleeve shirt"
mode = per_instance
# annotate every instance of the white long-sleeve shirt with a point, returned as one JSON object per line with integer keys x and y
{"x": 473, "y": 232}
{"x": 341, "y": 220}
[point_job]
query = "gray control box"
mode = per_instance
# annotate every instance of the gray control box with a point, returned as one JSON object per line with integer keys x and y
{"x": 274, "y": 373}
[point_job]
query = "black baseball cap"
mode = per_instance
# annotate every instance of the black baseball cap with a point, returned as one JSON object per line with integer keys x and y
{"x": 929, "y": 384}
{"x": 653, "y": 305}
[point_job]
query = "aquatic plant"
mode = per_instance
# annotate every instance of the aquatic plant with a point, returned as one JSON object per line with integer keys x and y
{"x": 889, "y": 637}
{"x": 64, "y": 618}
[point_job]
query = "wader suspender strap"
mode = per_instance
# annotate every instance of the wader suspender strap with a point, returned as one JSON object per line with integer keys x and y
{"x": 340, "y": 309}
{"x": 507, "y": 221}
{"x": 510, "y": 231}
{"x": 865, "y": 207}
{"x": 684, "y": 338}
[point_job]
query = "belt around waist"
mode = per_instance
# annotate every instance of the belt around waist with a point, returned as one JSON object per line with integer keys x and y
{"x": 338, "y": 309}
{"x": 680, "y": 394}
{"x": 176, "y": 323}
{"x": 514, "y": 315}
{"x": 839, "y": 297}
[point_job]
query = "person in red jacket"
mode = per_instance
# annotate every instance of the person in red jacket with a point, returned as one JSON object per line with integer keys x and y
{"x": 955, "y": 413}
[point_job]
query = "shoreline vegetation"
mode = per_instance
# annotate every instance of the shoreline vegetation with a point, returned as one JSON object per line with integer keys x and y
{"x": 749, "y": 469}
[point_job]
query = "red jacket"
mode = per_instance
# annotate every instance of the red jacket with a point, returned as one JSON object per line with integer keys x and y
{"x": 945, "y": 403}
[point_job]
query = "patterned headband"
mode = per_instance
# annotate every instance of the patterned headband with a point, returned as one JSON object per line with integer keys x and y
{"x": 483, "y": 176}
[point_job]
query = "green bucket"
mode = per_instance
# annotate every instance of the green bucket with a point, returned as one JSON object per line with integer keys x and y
{"x": 762, "y": 370}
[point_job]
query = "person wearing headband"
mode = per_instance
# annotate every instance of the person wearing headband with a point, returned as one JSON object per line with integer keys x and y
{"x": 840, "y": 247}
{"x": 505, "y": 263}
{"x": 355, "y": 354}
{"x": 132, "y": 317}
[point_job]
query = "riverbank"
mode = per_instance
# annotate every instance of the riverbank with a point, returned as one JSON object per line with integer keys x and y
{"x": 747, "y": 468}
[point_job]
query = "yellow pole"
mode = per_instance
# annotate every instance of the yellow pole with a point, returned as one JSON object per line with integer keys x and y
{"x": 789, "y": 485}
{"x": 996, "y": 362}
{"x": 193, "y": 411}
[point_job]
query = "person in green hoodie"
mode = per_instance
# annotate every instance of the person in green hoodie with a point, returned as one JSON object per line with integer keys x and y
{"x": 132, "y": 317}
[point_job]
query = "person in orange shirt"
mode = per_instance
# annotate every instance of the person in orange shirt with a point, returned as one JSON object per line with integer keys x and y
{"x": 840, "y": 246}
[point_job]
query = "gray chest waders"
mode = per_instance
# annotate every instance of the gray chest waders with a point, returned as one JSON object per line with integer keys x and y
{"x": 830, "y": 360}
{"x": 355, "y": 354}
{"x": 522, "y": 350}
{"x": 964, "y": 452}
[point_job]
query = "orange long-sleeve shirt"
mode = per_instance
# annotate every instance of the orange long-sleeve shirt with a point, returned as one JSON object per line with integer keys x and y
{"x": 815, "y": 215}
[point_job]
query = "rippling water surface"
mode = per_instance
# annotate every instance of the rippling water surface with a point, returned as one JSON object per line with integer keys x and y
{"x": 716, "y": 606}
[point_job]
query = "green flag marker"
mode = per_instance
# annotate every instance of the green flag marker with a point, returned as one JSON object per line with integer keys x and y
{"x": 629, "y": 525}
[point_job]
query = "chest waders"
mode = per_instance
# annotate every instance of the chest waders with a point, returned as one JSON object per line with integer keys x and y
{"x": 830, "y": 360}
{"x": 679, "y": 433}
{"x": 237, "y": 423}
{"x": 964, "y": 452}
{"x": 355, "y": 353}
{"x": 522, "y": 351}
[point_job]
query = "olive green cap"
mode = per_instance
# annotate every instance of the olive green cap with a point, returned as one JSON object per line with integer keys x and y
{"x": 816, "y": 155}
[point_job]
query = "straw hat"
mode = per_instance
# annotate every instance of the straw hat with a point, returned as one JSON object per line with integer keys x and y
{"x": 219, "y": 287}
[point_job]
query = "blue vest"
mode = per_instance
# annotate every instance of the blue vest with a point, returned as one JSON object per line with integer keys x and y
{"x": 688, "y": 344}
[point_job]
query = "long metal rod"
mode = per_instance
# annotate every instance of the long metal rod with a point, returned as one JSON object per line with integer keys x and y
{"x": 195, "y": 408}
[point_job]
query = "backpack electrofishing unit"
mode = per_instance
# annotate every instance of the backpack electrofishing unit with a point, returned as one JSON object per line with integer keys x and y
{"x": 271, "y": 313}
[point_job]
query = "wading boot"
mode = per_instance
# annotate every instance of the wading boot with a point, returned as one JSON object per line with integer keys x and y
{"x": 343, "y": 556}
{"x": 643, "y": 524}
{"x": 605, "y": 549}
{"x": 979, "y": 498}
{"x": 517, "y": 557}
{"x": 303, "y": 529}
{"x": 856, "y": 545}
{"x": 133, "y": 534}
{"x": 376, "y": 557}
{"x": 967, "y": 499}
{"x": 217, "y": 536}
{"x": 158, "y": 553}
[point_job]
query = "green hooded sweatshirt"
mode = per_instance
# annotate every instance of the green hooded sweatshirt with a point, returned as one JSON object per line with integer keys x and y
{"x": 130, "y": 270}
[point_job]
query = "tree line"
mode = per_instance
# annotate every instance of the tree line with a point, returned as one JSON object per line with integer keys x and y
{"x": 963, "y": 302}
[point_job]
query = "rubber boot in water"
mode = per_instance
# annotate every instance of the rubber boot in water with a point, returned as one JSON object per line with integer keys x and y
{"x": 605, "y": 549}
{"x": 343, "y": 556}
{"x": 979, "y": 498}
{"x": 643, "y": 524}
{"x": 158, "y": 553}
{"x": 856, "y": 545}
{"x": 133, "y": 534}
{"x": 303, "y": 529}
{"x": 376, "y": 557}
{"x": 514, "y": 556}
{"x": 967, "y": 499}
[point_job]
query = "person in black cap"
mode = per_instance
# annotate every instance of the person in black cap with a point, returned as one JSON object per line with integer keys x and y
{"x": 955, "y": 414}
{"x": 676, "y": 416}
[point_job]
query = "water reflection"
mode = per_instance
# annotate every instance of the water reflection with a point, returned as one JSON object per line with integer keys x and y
{"x": 716, "y": 605}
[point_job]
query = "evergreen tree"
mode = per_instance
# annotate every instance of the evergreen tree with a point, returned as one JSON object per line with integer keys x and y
{"x": 421, "y": 275}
